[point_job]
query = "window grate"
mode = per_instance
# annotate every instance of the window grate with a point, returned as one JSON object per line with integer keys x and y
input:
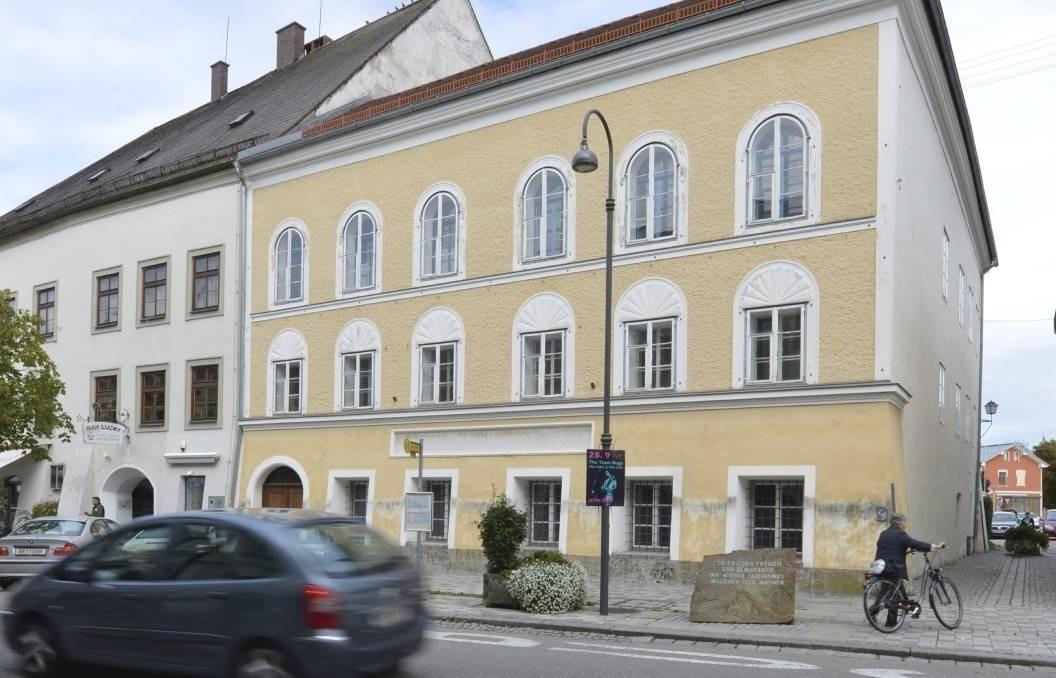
{"x": 441, "y": 490}
{"x": 544, "y": 512}
{"x": 649, "y": 517}
{"x": 356, "y": 498}
{"x": 775, "y": 514}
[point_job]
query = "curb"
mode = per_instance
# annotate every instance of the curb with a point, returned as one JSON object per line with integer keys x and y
{"x": 628, "y": 631}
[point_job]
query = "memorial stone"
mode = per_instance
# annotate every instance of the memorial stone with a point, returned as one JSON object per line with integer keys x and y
{"x": 746, "y": 587}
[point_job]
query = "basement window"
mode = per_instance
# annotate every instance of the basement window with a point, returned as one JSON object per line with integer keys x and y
{"x": 98, "y": 174}
{"x": 146, "y": 156}
{"x": 242, "y": 117}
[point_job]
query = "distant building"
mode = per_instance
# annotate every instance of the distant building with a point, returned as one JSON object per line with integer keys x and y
{"x": 1013, "y": 478}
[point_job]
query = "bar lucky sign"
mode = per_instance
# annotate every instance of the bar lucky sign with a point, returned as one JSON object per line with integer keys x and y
{"x": 605, "y": 477}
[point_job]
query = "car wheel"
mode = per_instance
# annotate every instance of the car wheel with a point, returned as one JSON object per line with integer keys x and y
{"x": 263, "y": 662}
{"x": 39, "y": 650}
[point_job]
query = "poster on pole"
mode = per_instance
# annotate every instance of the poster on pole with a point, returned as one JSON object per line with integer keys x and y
{"x": 605, "y": 477}
{"x": 418, "y": 512}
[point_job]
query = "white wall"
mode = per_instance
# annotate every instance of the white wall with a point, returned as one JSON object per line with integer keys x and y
{"x": 917, "y": 199}
{"x": 446, "y": 39}
{"x": 171, "y": 222}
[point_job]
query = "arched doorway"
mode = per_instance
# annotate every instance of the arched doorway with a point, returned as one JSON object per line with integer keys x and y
{"x": 282, "y": 489}
{"x": 143, "y": 499}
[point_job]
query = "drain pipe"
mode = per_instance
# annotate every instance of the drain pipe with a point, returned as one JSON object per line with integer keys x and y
{"x": 240, "y": 354}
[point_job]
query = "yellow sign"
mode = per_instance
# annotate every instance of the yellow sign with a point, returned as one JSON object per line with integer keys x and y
{"x": 412, "y": 447}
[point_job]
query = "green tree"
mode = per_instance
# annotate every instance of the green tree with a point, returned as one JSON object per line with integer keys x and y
{"x": 30, "y": 387}
{"x": 1046, "y": 450}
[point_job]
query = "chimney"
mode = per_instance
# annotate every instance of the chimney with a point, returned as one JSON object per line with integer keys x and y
{"x": 321, "y": 41}
{"x": 289, "y": 45}
{"x": 219, "y": 80}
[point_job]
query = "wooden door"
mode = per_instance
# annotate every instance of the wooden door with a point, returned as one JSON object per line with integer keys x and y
{"x": 282, "y": 496}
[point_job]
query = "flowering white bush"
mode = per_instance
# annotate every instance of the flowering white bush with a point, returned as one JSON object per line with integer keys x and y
{"x": 549, "y": 588}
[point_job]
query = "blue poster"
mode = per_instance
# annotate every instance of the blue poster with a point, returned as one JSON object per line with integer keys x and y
{"x": 605, "y": 477}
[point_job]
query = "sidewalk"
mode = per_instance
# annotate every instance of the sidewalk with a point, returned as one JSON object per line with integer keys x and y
{"x": 1009, "y": 615}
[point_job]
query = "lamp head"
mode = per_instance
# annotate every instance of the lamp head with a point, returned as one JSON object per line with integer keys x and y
{"x": 991, "y": 408}
{"x": 585, "y": 160}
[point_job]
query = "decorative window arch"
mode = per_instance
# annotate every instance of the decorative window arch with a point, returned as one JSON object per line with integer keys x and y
{"x": 288, "y": 264}
{"x": 438, "y": 358}
{"x": 652, "y": 204}
{"x": 779, "y": 299}
{"x": 778, "y": 169}
{"x": 543, "y": 325}
{"x": 359, "y": 234}
{"x": 440, "y": 235}
{"x": 287, "y": 377}
{"x": 544, "y": 214}
{"x": 651, "y": 337}
{"x": 357, "y": 366}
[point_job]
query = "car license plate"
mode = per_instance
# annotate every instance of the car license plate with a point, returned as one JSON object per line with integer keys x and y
{"x": 392, "y": 615}
{"x": 31, "y": 551}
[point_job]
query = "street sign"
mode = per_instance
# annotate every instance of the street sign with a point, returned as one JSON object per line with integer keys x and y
{"x": 104, "y": 433}
{"x": 412, "y": 447}
{"x": 418, "y": 511}
{"x": 605, "y": 477}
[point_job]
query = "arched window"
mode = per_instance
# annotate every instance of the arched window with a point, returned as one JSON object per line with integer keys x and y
{"x": 359, "y": 252}
{"x": 775, "y": 326}
{"x": 440, "y": 236}
{"x": 544, "y": 210}
{"x": 438, "y": 358}
{"x": 356, "y": 366}
{"x": 651, "y": 337}
{"x": 652, "y": 194}
{"x": 287, "y": 375}
{"x": 289, "y": 266}
{"x": 543, "y": 348}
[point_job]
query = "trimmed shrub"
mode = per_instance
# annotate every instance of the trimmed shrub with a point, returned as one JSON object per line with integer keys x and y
{"x": 502, "y": 528}
{"x": 549, "y": 588}
{"x": 1025, "y": 540}
{"x": 543, "y": 557}
{"x": 45, "y": 508}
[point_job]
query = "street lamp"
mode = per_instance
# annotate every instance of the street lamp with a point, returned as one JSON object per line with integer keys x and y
{"x": 991, "y": 408}
{"x": 585, "y": 161}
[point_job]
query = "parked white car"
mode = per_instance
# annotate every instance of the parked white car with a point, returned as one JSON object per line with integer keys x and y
{"x": 39, "y": 542}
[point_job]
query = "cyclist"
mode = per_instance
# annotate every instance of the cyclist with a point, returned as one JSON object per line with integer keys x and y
{"x": 891, "y": 547}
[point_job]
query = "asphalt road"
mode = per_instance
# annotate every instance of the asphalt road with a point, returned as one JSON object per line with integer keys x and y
{"x": 461, "y": 651}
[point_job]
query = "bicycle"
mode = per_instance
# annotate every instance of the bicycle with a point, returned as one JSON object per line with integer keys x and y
{"x": 886, "y": 603}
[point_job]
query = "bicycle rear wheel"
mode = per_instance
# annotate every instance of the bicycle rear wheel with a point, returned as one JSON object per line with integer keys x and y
{"x": 945, "y": 602}
{"x": 883, "y": 602}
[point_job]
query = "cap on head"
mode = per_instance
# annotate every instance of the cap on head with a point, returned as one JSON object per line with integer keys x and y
{"x": 898, "y": 519}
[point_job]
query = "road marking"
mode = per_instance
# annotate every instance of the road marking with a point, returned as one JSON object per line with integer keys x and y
{"x": 480, "y": 639}
{"x": 886, "y": 673}
{"x": 687, "y": 657}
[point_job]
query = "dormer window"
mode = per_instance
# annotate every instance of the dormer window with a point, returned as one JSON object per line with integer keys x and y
{"x": 241, "y": 118}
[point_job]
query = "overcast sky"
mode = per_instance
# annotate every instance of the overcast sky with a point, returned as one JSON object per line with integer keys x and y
{"x": 78, "y": 79}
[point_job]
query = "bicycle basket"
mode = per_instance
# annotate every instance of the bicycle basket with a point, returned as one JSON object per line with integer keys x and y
{"x": 877, "y": 566}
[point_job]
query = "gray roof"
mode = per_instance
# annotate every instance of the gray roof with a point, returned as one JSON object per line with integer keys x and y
{"x": 201, "y": 141}
{"x": 988, "y": 452}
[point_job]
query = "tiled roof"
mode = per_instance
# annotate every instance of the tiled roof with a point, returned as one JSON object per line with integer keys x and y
{"x": 202, "y": 139}
{"x": 990, "y": 451}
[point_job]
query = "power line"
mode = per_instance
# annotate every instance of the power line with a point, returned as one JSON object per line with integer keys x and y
{"x": 1009, "y": 77}
{"x": 1009, "y": 65}
{"x": 1020, "y": 320}
{"x": 989, "y": 55}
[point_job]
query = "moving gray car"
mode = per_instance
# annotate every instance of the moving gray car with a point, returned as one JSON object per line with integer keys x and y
{"x": 40, "y": 542}
{"x": 268, "y": 593}
{"x": 1002, "y": 522}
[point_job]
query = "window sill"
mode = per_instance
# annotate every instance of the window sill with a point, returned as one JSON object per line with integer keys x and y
{"x": 202, "y": 425}
{"x": 161, "y": 428}
{"x": 144, "y": 322}
{"x": 209, "y": 313}
{"x": 542, "y": 262}
{"x": 439, "y": 279}
{"x": 107, "y": 329}
{"x": 357, "y": 293}
{"x": 750, "y": 227}
{"x": 658, "y": 555}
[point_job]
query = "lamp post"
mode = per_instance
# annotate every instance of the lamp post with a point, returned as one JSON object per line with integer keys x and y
{"x": 585, "y": 161}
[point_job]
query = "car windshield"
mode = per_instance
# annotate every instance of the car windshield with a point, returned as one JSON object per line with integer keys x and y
{"x": 58, "y": 528}
{"x": 346, "y": 549}
{"x": 1005, "y": 517}
{"x": 1051, "y": 515}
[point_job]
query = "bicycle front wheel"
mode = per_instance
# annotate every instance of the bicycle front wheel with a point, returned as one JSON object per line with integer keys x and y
{"x": 883, "y": 601}
{"x": 945, "y": 602}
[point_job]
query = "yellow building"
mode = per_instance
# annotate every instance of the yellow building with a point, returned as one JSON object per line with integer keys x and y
{"x": 796, "y": 184}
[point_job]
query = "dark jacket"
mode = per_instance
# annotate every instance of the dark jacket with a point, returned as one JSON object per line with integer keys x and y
{"x": 892, "y": 546}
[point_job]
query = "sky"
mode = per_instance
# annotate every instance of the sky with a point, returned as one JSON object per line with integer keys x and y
{"x": 79, "y": 79}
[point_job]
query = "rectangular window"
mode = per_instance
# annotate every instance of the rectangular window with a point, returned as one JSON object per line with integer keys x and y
{"x": 357, "y": 499}
{"x": 968, "y": 418}
{"x": 945, "y": 265}
{"x": 104, "y": 402}
{"x": 107, "y": 300}
{"x": 1021, "y": 478}
{"x": 650, "y": 355}
{"x": 358, "y": 380}
{"x": 544, "y": 512}
{"x": 775, "y": 344}
{"x": 942, "y": 390}
{"x": 193, "y": 492}
{"x": 441, "y": 490}
{"x": 437, "y": 374}
{"x": 542, "y": 364}
{"x": 971, "y": 315}
{"x": 154, "y": 296}
{"x": 649, "y": 517}
{"x": 960, "y": 295}
{"x": 205, "y": 393}
{"x": 1002, "y": 478}
{"x": 58, "y": 474}
{"x": 205, "y": 283}
{"x": 775, "y": 514}
{"x": 46, "y": 299}
{"x": 152, "y": 398}
{"x": 287, "y": 387}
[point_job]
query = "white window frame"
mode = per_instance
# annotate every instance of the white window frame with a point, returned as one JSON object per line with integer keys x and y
{"x": 1021, "y": 477}
{"x": 358, "y": 336}
{"x": 56, "y": 470}
{"x": 517, "y": 480}
{"x": 337, "y": 495}
{"x": 775, "y": 176}
{"x": 678, "y": 149}
{"x": 650, "y": 325}
{"x": 439, "y": 325}
{"x": 960, "y": 295}
{"x": 372, "y": 210}
{"x": 288, "y": 345}
{"x": 561, "y": 166}
{"x": 273, "y": 301}
{"x": 776, "y": 360}
{"x": 275, "y": 364}
{"x": 418, "y": 279}
{"x": 358, "y": 357}
{"x": 812, "y": 191}
{"x": 438, "y": 350}
{"x": 553, "y": 526}
{"x": 945, "y": 265}
{"x": 737, "y": 503}
{"x": 542, "y": 313}
{"x": 544, "y": 377}
{"x": 957, "y": 397}
{"x": 647, "y": 300}
{"x": 942, "y": 391}
{"x": 774, "y": 284}
{"x": 620, "y": 514}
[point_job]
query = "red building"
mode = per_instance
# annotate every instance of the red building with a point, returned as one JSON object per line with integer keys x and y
{"x": 1013, "y": 477}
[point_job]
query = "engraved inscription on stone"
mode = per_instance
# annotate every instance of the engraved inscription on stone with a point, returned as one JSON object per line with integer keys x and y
{"x": 746, "y": 587}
